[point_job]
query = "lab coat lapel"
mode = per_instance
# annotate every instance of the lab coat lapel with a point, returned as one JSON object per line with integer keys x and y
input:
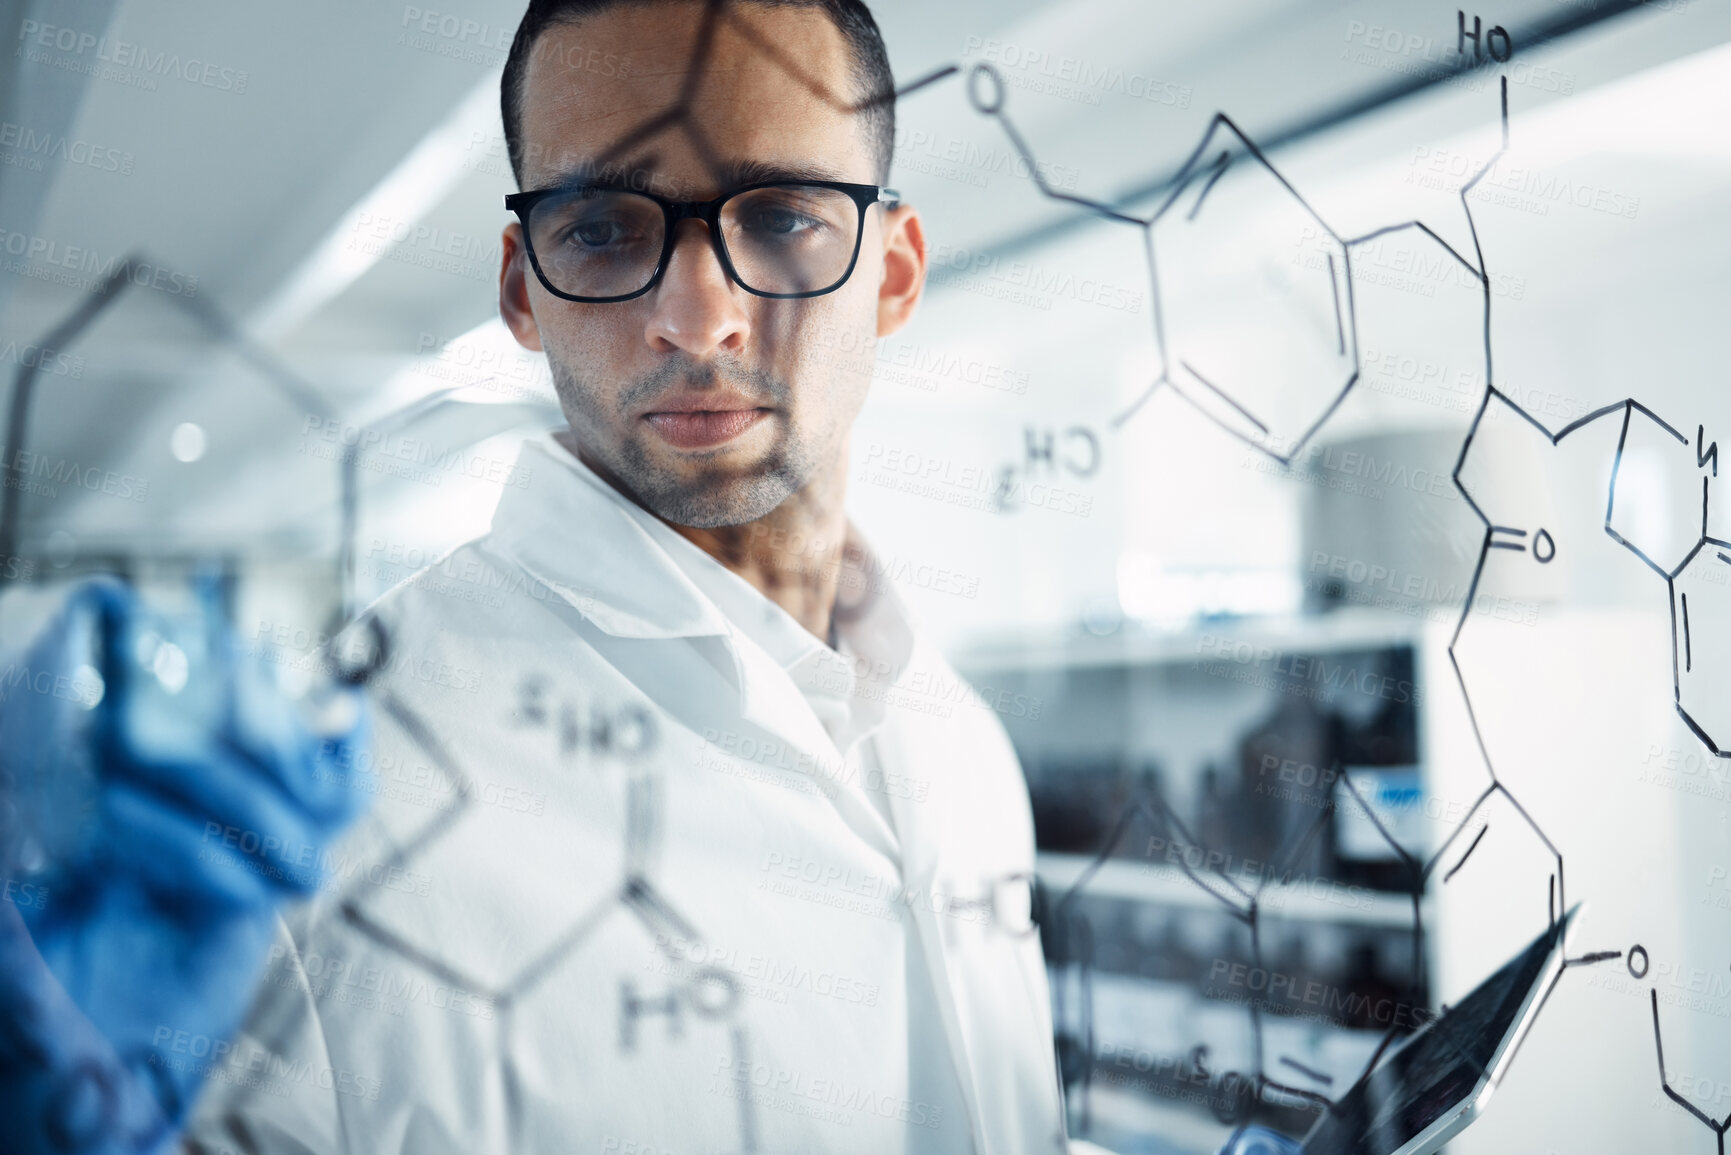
{"x": 775, "y": 703}
{"x": 574, "y": 537}
{"x": 980, "y": 988}
{"x": 577, "y": 540}
{"x": 920, "y": 861}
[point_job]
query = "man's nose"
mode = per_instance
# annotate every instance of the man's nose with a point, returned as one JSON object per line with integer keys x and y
{"x": 697, "y": 309}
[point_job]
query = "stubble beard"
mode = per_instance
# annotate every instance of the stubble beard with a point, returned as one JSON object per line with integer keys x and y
{"x": 712, "y": 497}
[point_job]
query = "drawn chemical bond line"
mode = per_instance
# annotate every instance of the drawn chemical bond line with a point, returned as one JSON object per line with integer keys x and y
{"x": 678, "y": 116}
{"x": 1671, "y": 1093}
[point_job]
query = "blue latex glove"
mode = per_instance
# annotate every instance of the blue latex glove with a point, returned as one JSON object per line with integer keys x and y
{"x": 159, "y": 829}
{"x": 1260, "y": 1141}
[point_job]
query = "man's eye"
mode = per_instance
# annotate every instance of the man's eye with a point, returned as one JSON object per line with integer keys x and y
{"x": 601, "y": 234}
{"x": 598, "y": 234}
{"x": 783, "y": 222}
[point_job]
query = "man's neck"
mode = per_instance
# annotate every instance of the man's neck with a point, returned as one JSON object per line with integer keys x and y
{"x": 793, "y": 555}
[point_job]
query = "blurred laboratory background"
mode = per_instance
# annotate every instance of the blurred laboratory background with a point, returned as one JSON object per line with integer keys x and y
{"x": 248, "y": 326}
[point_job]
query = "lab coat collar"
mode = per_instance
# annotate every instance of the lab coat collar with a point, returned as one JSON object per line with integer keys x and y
{"x": 635, "y": 578}
{"x": 570, "y": 530}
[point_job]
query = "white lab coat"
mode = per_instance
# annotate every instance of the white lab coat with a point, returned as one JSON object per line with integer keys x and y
{"x": 804, "y": 963}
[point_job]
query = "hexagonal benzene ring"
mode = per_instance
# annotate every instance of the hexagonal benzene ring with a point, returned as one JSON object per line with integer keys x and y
{"x": 1252, "y": 297}
{"x": 1657, "y": 507}
{"x": 1701, "y": 636}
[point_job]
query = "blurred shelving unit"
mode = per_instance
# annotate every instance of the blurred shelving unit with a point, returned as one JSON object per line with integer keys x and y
{"x": 1244, "y": 729}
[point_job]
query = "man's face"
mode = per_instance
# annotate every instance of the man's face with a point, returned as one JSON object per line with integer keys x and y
{"x": 709, "y": 404}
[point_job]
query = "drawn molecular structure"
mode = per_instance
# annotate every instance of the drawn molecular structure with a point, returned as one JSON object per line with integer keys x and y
{"x": 629, "y": 735}
{"x": 1275, "y": 409}
{"x": 1273, "y": 405}
{"x": 1678, "y": 549}
{"x": 1317, "y": 387}
{"x": 1271, "y": 394}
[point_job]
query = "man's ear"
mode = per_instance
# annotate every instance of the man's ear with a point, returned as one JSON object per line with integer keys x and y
{"x": 514, "y": 274}
{"x": 904, "y": 274}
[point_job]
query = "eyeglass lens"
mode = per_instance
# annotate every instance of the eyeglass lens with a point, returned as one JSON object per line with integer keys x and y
{"x": 782, "y": 239}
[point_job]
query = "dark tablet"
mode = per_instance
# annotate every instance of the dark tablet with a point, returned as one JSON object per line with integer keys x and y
{"x": 1430, "y": 1086}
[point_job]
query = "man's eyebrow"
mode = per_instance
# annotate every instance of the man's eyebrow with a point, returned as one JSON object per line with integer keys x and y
{"x": 588, "y": 174}
{"x": 753, "y": 171}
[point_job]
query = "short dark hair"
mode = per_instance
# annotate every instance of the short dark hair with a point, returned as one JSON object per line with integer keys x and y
{"x": 873, "y": 81}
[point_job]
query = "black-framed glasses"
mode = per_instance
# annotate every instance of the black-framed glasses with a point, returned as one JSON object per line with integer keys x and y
{"x": 785, "y": 239}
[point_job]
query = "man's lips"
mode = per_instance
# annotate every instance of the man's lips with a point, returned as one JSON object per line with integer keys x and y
{"x": 703, "y": 428}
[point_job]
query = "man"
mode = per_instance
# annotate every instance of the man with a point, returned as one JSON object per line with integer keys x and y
{"x": 666, "y": 854}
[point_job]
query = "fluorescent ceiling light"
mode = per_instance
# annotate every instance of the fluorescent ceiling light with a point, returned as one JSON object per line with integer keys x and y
{"x": 408, "y": 193}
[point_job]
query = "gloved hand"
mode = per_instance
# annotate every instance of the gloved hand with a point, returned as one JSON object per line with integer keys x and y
{"x": 160, "y": 811}
{"x": 1260, "y": 1141}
